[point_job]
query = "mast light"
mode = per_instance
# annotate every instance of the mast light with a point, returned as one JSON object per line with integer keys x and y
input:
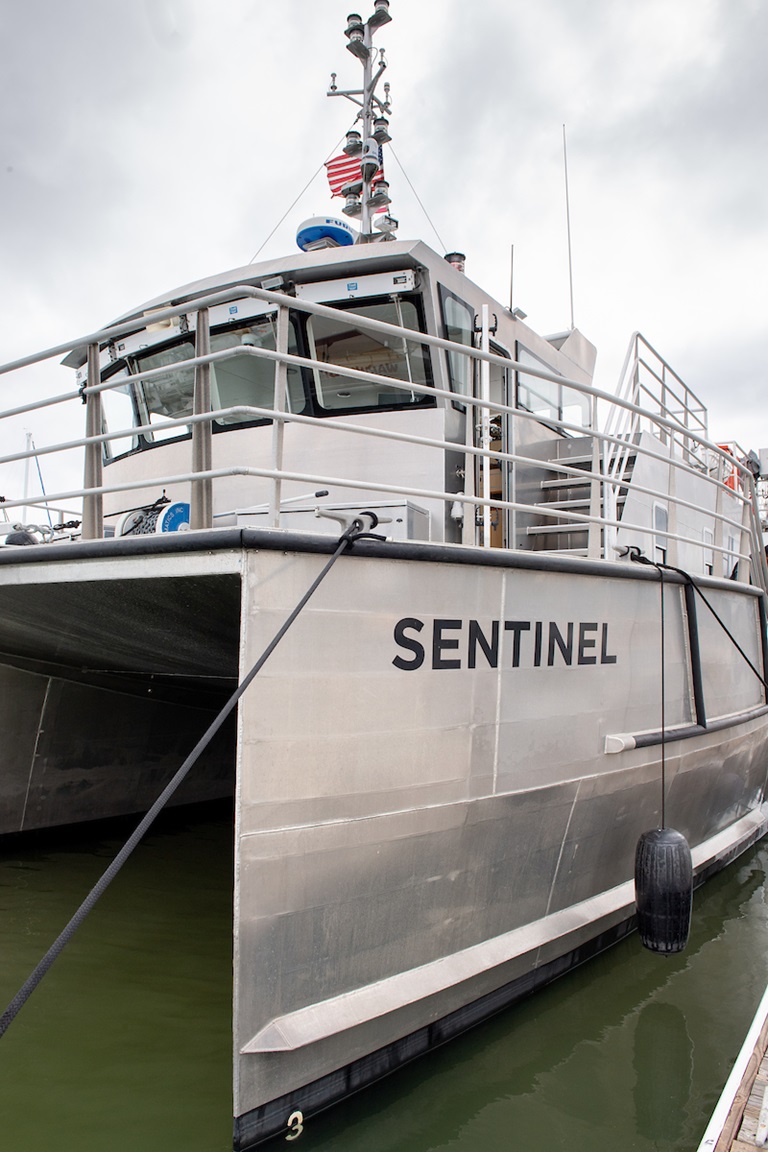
{"x": 381, "y": 14}
{"x": 353, "y": 207}
{"x": 354, "y": 143}
{"x": 381, "y": 128}
{"x": 358, "y": 48}
{"x": 379, "y": 197}
{"x": 355, "y": 33}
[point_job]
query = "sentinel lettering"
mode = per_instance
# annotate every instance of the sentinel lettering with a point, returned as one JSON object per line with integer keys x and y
{"x": 451, "y": 644}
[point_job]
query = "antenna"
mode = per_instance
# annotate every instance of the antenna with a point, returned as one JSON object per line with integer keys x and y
{"x": 568, "y": 223}
{"x": 365, "y": 188}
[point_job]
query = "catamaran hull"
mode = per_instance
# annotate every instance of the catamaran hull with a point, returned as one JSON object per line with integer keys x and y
{"x": 535, "y": 955}
{"x": 441, "y": 772}
{"x": 442, "y": 778}
{"x": 113, "y": 661}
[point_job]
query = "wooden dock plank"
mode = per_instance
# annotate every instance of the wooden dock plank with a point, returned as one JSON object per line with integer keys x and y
{"x": 738, "y": 1133}
{"x": 738, "y": 1130}
{"x": 754, "y": 1106}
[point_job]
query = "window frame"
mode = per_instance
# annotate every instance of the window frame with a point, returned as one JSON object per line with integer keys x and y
{"x": 445, "y": 294}
{"x": 356, "y": 304}
{"x": 131, "y": 364}
{"x": 522, "y": 351}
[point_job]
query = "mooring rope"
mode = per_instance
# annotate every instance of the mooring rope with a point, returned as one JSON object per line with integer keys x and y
{"x": 356, "y": 531}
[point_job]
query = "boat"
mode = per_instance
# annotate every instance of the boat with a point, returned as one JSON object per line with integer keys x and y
{"x": 536, "y": 629}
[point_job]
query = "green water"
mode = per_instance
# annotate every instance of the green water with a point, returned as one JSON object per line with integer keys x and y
{"x": 126, "y": 1044}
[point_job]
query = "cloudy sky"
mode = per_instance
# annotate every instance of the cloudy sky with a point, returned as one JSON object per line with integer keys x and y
{"x": 147, "y": 143}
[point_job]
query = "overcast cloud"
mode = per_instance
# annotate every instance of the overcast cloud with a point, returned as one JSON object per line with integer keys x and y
{"x": 150, "y": 143}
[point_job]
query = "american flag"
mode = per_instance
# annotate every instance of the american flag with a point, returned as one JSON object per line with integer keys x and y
{"x": 345, "y": 169}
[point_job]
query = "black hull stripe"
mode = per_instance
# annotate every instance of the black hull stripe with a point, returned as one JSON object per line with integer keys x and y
{"x": 228, "y": 539}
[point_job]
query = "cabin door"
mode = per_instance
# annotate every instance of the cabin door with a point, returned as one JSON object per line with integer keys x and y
{"x": 501, "y": 474}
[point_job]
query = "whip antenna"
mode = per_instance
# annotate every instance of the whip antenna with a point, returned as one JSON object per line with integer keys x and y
{"x": 568, "y": 224}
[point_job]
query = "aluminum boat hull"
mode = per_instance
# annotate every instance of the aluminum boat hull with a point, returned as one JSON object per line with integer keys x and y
{"x": 430, "y": 824}
{"x": 441, "y": 772}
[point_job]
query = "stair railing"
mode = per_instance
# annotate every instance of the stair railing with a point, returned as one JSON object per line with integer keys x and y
{"x": 648, "y": 381}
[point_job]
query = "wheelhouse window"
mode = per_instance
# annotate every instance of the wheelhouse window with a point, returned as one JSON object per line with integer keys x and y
{"x": 119, "y": 414}
{"x": 458, "y": 326}
{"x": 248, "y": 379}
{"x": 169, "y": 395}
{"x": 549, "y": 399}
{"x": 242, "y": 379}
{"x": 339, "y": 343}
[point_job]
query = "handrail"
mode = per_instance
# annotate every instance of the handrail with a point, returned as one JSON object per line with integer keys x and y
{"x": 318, "y": 478}
{"x": 627, "y": 423}
{"x": 280, "y": 299}
{"x": 247, "y": 411}
{"x": 677, "y": 418}
{"x": 376, "y": 433}
{"x": 257, "y": 412}
{"x": 428, "y": 390}
{"x": 303, "y": 361}
{"x": 288, "y": 358}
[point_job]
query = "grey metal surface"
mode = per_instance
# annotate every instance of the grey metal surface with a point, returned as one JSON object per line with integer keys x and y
{"x": 426, "y": 809}
{"x": 99, "y": 753}
{"x": 106, "y": 685}
{"x": 391, "y": 820}
{"x": 185, "y": 626}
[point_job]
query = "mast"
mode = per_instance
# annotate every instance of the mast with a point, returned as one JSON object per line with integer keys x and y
{"x": 367, "y": 192}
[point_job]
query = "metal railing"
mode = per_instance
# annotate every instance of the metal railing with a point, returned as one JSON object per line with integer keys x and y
{"x": 666, "y": 408}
